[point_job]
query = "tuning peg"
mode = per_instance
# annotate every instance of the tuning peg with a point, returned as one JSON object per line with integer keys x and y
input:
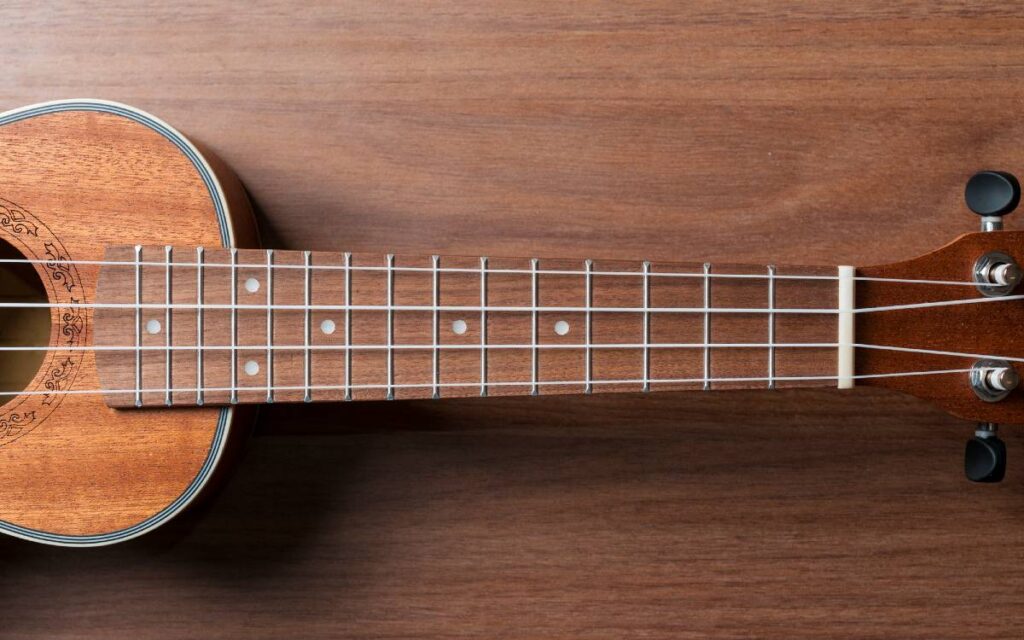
{"x": 991, "y": 195}
{"x": 985, "y": 455}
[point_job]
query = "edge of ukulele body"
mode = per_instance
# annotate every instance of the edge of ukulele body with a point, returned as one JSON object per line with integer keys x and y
{"x": 237, "y": 228}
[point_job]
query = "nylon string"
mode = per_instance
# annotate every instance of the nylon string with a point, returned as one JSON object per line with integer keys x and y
{"x": 483, "y": 309}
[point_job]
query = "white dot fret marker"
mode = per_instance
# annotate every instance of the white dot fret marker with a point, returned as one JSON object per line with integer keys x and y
{"x": 328, "y": 327}
{"x": 153, "y": 327}
{"x": 561, "y": 327}
{"x": 252, "y": 368}
{"x": 459, "y": 327}
{"x": 252, "y": 285}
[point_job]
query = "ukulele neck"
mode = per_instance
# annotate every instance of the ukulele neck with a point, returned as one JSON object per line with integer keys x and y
{"x": 185, "y": 326}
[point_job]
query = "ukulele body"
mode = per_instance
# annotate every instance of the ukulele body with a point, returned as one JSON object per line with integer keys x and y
{"x": 76, "y": 176}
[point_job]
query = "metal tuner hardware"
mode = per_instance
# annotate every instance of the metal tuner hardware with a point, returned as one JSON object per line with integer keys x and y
{"x": 985, "y": 455}
{"x": 996, "y": 274}
{"x": 993, "y": 380}
{"x": 991, "y": 195}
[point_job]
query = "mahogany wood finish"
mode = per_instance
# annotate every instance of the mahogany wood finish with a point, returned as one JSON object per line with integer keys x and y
{"x": 990, "y": 328}
{"x": 74, "y": 182}
{"x": 821, "y": 133}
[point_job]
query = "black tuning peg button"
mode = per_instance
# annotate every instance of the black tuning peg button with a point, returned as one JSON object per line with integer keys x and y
{"x": 985, "y": 459}
{"x": 992, "y": 193}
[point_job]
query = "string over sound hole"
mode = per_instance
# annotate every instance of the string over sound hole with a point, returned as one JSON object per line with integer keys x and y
{"x": 20, "y": 327}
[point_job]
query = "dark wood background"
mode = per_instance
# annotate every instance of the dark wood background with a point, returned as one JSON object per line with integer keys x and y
{"x": 764, "y": 131}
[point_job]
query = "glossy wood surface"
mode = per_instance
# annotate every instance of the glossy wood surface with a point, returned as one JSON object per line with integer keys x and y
{"x": 989, "y": 328}
{"x": 74, "y": 182}
{"x": 753, "y": 131}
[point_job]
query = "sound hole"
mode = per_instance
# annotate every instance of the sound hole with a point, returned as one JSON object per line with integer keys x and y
{"x": 20, "y": 327}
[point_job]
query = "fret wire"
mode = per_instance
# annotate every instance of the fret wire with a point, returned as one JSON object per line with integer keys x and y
{"x": 483, "y": 326}
{"x": 168, "y": 258}
{"x": 199, "y": 325}
{"x": 306, "y": 333}
{"x": 534, "y": 359}
{"x": 707, "y": 326}
{"x": 436, "y": 330}
{"x": 587, "y": 366}
{"x": 234, "y": 326}
{"x": 348, "y": 326}
{"x": 138, "y": 325}
{"x": 647, "y": 326}
{"x": 390, "y": 356}
{"x": 484, "y": 311}
{"x": 270, "y": 325}
{"x": 771, "y": 326}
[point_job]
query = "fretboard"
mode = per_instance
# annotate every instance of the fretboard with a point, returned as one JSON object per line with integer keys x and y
{"x": 187, "y": 326}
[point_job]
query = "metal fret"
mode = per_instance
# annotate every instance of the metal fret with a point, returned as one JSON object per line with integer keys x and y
{"x": 483, "y": 326}
{"x": 234, "y": 326}
{"x": 147, "y": 324}
{"x": 436, "y": 332}
{"x": 307, "y": 362}
{"x": 138, "y": 325}
{"x": 771, "y": 326}
{"x": 587, "y": 387}
{"x": 168, "y": 257}
{"x": 270, "y": 325}
{"x": 390, "y": 327}
{"x": 348, "y": 326}
{"x": 647, "y": 327}
{"x": 199, "y": 325}
{"x": 534, "y": 359}
{"x": 707, "y": 326}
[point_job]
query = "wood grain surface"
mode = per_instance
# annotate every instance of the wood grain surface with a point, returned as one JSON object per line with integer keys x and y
{"x": 815, "y": 133}
{"x": 387, "y": 345}
{"x": 72, "y": 466}
{"x": 957, "y": 328}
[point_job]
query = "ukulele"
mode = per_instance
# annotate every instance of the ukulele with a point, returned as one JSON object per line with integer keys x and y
{"x": 141, "y": 324}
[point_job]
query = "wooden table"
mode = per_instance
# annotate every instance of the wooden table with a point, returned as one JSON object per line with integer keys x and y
{"x": 828, "y": 132}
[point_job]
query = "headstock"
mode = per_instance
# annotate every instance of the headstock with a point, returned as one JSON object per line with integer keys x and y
{"x": 965, "y": 318}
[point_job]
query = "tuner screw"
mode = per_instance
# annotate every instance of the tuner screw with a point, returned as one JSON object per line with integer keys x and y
{"x": 1003, "y": 379}
{"x": 992, "y": 380}
{"x": 996, "y": 274}
{"x": 992, "y": 195}
{"x": 1005, "y": 274}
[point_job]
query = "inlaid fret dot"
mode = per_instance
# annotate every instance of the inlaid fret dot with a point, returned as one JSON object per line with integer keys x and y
{"x": 417, "y": 329}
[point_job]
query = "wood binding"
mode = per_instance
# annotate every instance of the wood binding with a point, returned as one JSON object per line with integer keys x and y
{"x": 78, "y": 176}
